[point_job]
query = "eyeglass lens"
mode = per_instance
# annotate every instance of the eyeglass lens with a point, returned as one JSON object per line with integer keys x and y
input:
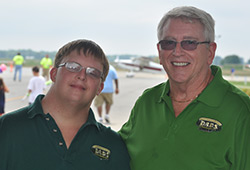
{"x": 186, "y": 44}
{"x": 75, "y": 67}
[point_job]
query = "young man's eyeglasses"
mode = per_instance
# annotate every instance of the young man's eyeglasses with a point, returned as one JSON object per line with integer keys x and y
{"x": 188, "y": 45}
{"x": 76, "y": 67}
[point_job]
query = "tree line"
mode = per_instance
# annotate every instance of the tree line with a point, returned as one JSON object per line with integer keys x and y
{"x": 230, "y": 59}
{"x": 9, "y": 54}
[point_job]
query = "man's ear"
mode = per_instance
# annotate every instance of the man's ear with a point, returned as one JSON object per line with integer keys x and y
{"x": 53, "y": 72}
{"x": 159, "y": 52}
{"x": 212, "y": 49}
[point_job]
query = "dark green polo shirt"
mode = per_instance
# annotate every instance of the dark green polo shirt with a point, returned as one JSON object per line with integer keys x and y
{"x": 31, "y": 140}
{"x": 212, "y": 132}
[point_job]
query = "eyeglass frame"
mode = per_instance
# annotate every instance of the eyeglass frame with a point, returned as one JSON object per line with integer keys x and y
{"x": 181, "y": 42}
{"x": 81, "y": 68}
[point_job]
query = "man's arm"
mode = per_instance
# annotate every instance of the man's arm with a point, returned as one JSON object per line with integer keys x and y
{"x": 116, "y": 86}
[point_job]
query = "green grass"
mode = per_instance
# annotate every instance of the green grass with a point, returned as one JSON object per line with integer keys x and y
{"x": 241, "y": 83}
{"x": 245, "y": 87}
{"x": 27, "y": 63}
{"x": 239, "y": 70}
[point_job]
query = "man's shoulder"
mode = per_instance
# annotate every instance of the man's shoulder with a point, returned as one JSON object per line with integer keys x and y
{"x": 15, "y": 117}
{"x": 239, "y": 96}
{"x": 114, "y": 141}
{"x": 37, "y": 78}
{"x": 155, "y": 90}
{"x": 108, "y": 132}
{"x": 42, "y": 79}
{"x": 151, "y": 95}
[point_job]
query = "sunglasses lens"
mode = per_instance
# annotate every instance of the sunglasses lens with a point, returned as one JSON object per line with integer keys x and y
{"x": 167, "y": 44}
{"x": 189, "y": 45}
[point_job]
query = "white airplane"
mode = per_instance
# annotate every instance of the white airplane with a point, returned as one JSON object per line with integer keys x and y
{"x": 143, "y": 64}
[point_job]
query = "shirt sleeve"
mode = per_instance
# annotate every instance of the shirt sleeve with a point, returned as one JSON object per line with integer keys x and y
{"x": 127, "y": 127}
{"x": 241, "y": 156}
{"x": 30, "y": 85}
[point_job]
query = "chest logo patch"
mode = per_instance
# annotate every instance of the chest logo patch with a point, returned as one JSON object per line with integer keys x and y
{"x": 209, "y": 125}
{"x": 101, "y": 152}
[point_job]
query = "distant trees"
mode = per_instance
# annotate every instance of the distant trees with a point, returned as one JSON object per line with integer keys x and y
{"x": 9, "y": 54}
{"x": 231, "y": 59}
{"x": 217, "y": 60}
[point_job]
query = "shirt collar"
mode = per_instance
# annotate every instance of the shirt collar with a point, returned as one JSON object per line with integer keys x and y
{"x": 164, "y": 95}
{"x": 91, "y": 120}
{"x": 212, "y": 95}
{"x": 36, "y": 109}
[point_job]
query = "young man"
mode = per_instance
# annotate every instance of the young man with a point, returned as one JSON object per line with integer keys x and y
{"x": 36, "y": 85}
{"x": 196, "y": 120}
{"x": 59, "y": 131}
{"x": 106, "y": 95}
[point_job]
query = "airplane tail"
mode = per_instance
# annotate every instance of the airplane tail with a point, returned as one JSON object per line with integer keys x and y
{"x": 117, "y": 59}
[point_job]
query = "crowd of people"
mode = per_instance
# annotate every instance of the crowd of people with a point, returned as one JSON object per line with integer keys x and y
{"x": 36, "y": 85}
{"x": 196, "y": 120}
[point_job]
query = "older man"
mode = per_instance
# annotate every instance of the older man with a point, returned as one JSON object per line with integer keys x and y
{"x": 196, "y": 120}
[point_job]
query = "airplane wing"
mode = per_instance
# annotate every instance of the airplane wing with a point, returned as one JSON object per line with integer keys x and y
{"x": 144, "y": 64}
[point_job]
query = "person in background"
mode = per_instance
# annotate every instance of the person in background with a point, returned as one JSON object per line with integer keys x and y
{"x": 232, "y": 73}
{"x": 18, "y": 62}
{"x": 59, "y": 130}
{"x": 196, "y": 120}
{"x": 3, "y": 89}
{"x": 36, "y": 85}
{"x": 46, "y": 64}
{"x": 106, "y": 95}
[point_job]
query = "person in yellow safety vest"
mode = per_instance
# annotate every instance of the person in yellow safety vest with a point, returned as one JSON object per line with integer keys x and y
{"x": 46, "y": 63}
{"x": 18, "y": 61}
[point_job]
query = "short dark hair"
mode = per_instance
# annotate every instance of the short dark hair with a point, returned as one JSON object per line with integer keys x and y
{"x": 88, "y": 47}
{"x": 35, "y": 69}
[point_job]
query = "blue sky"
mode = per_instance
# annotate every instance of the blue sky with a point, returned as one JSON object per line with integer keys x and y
{"x": 118, "y": 26}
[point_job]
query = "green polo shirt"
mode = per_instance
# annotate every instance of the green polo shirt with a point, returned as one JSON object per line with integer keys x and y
{"x": 31, "y": 140}
{"x": 212, "y": 132}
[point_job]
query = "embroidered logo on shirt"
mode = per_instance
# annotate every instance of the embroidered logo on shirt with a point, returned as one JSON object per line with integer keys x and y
{"x": 101, "y": 152}
{"x": 209, "y": 125}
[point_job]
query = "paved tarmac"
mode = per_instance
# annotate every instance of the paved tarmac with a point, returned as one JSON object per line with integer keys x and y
{"x": 130, "y": 90}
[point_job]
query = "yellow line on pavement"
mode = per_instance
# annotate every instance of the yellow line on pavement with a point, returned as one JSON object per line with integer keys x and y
{"x": 14, "y": 98}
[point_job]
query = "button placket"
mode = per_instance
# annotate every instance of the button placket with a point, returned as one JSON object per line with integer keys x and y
{"x": 53, "y": 127}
